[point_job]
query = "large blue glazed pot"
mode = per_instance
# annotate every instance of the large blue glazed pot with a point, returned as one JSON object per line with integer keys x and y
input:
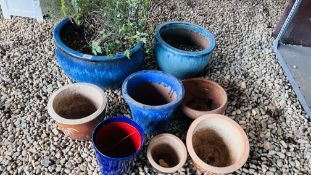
{"x": 152, "y": 97}
{"x": 102, "y": 71}
{"x": 117, "y": 142}
{"x": 181, "y": 63}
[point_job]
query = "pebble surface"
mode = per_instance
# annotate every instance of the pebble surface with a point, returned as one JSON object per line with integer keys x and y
{"x": 261, "y": 99}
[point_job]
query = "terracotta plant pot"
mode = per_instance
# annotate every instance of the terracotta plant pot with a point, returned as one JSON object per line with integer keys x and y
{"x": 217, "y": 144}
{"x": 203, "y": 97}
{"x": 166, "y": 153}
{"x": 76, "y": 108}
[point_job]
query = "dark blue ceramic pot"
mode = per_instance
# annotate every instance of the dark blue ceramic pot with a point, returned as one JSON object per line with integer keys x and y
{"x": 102, "y": 71}
{"x": 171, "y": 43}
{"x": 117, "y": 141}
{"x": 152, "y": 97}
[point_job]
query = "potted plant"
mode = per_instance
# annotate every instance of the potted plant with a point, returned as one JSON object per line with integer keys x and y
{"x": 100, "y": 42}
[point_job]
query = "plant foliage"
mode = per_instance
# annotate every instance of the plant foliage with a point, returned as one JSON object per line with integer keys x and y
{"x": 110, "y": 26}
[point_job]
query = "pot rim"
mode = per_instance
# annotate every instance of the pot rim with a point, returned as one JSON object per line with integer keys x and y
{"x": 175, "y": 140}
{"x": 128, "y": 98}
{"x": 83, "y": 120}
{"x": 87, "y": 57}
{"x": 186, "y": 25}
{"x": 195, "y": 158}
{"x": 119, "y": 119}
{"x": 211, "y": 82}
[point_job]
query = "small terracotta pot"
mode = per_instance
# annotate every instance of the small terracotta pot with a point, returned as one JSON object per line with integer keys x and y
{"x": 167, "y": 153}
{"x": 77, "y": 108}
{"x": 203, "y": 97}
{"x": 217, "y": 144}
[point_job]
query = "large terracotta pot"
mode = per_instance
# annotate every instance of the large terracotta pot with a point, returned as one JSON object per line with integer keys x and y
{"x": 203, "y": 97}
{"x": 77, "y": 108}
{"x": 166, "y": 153}
{"x": 217, "y": 144}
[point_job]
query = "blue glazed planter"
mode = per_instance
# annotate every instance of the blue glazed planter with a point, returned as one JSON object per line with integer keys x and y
{"x": 117, "y": 141}
{"x": 102, "y": 71}
{"x": 152, "y": 97}
{"x": 180, "y": 63}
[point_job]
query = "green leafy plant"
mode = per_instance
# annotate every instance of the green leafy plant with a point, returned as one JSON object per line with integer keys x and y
{"x": 109, "y": 26}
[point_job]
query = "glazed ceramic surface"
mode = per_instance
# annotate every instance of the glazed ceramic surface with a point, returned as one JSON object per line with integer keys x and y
{"x": 180, "y": 63}
{"x": 117, "y": 141}
{"x": 152, "y": 97}
{"x": 217, "y": 144}
{"x": 102, "y": 71}
{"x": 203, "y": 97}
{"x": 166, "y": 153}
{"x": 77, "y": 109}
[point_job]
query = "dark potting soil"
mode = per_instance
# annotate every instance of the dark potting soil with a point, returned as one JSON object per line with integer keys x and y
{"x": 211, "y": 148}
{"x": 75, "y": 106}
{"x": 184, "y": 39}
{"x": 153, "y": 94}
{"x": 165, "y": 156}
{"x": 73, "y": 36}
{"x": 201, "y": 104}
{"x": 184, "y": 46}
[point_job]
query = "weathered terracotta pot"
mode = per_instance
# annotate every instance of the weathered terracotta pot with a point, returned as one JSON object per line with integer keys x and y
{"x": 166, "y": 153}
{"x": 76, "y": 108}
{"x": 217, "y": 144}
{"x": 203, "y": 97}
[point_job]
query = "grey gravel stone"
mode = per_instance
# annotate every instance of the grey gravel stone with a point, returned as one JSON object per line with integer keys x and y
{"x": 261, "y": 99}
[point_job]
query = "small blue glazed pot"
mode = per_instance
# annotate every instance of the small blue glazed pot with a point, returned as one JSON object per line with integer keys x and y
{"x": 102, "y": 71}
{"x": 117, "y": 141}
{"x": 152, "y": 97}
{"x": 181, "y": 63}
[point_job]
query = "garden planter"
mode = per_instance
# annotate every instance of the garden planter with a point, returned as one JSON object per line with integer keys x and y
{"x": 183, "y": 49}
{"x": 77, "y": 109}
{"x": 167, "y": 153}
{"x": 152, "y": 97}
{"x": 217, "y": 144}
{"x": 117, "y": 141}
{"x": 203, "y": 97}
{"x": 102, "y": 71}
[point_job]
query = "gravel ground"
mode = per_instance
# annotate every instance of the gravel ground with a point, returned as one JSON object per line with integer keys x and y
{"x": 260, "y": 98}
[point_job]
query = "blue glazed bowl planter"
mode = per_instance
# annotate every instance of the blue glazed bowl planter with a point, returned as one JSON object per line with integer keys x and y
{"x": 117, "y": 141}
{"x": 102, "y": 71}
{"x": 152, "y": 97}
{"x": 181, "y": 63}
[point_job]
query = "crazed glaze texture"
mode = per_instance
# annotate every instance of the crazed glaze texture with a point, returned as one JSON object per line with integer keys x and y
{"x": 180, "y": 63}
{"x": 99, "y": 70}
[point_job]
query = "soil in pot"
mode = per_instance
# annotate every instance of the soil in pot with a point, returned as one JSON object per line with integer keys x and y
{"x": 153, "y": 94}
{"x": 184, "y": 40}
{"x": 211, "y": 148}
{"x": 165, "y": 155}
{"x": 118, "y": 140}
{"x": 202, "y": 104}
{"x": 75, "y": 106}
